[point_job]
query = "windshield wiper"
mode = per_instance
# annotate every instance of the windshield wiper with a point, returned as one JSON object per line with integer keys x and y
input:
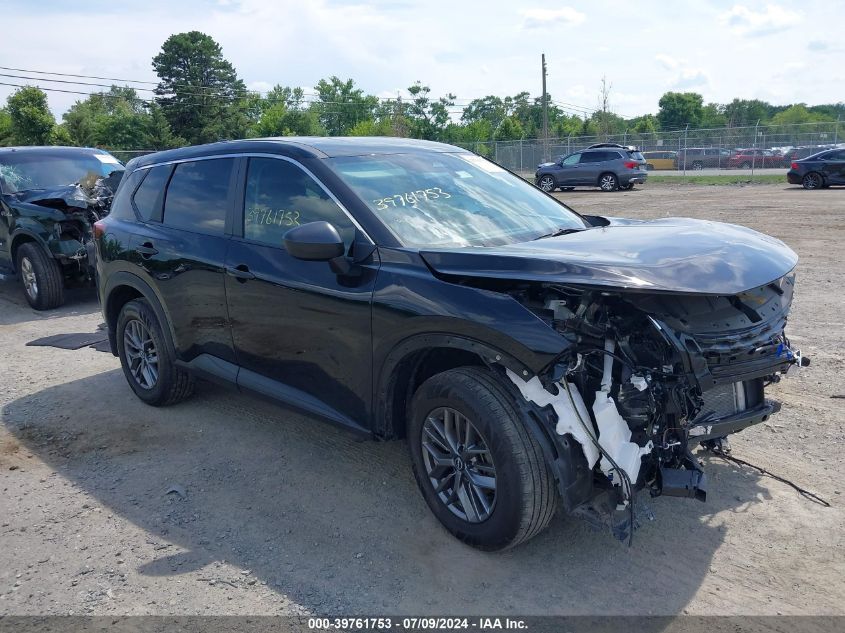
{"x": 557, "y": 233}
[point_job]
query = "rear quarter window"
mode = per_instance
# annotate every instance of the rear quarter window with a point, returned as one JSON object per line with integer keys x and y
{"x": 148, "y": 196}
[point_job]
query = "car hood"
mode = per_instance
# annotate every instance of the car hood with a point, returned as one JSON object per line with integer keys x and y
{"x": 676, "y": 255}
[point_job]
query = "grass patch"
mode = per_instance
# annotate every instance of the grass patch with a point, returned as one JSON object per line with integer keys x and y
{"x": 767, "y": 179}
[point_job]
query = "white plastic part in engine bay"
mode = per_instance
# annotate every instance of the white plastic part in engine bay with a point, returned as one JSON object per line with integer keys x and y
{"x": 567, "y": 415}
{"x": 614, "y": 435}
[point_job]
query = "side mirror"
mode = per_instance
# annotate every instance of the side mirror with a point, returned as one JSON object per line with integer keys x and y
{"x": 315, "y": 241}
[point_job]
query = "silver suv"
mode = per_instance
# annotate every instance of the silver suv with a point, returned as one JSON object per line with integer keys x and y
{"x": 608, "y": 168}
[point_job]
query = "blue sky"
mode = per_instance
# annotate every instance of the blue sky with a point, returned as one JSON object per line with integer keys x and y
{"x": 777, "y": 51}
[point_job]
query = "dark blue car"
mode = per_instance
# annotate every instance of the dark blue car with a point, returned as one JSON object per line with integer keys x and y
{"x": 819, "y": 170}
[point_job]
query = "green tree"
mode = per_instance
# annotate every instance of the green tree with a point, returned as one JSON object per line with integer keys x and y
{"x": 742, "y": 112}
{"x": 280, "y": 119}
{"x": 646, "y": 124}
{"x": 31, "y": 119}
{"x": 712, "y": 115}
{"x": 677, "y": 109}
{"x": 157, "y": 133}
{"x": 341, "y": 105}
{"x": 489, "y": 108}
{"x": 428, "y": 118}
{"x": 798, "y": 113}
{"x": 199, "y": 91}
{"x": 510, "y": 129}
{"x": 371, "y": 127}
{"x": 5, "y": 127}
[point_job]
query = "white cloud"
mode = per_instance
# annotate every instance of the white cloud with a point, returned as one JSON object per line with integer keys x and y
{"x": 539, "y": 18}
{"x": 668, "y": 62}
{"x": 690, "y": 78}
{"x": 773, "y": 19}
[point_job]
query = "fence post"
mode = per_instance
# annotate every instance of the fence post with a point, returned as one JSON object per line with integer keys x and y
{"x": 836, "y": 130}
{"x": 686, "y": 129}
{"x": 754, "y": 154}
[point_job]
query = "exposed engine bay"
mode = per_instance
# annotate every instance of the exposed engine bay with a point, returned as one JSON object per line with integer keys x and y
{"x": 648, "y": 376}
{"x": 81, "y": 205}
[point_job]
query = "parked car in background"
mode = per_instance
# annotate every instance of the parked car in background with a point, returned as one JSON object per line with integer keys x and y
{"x": 819, "y": 171}
{"x": 532, "y": 357}
{"x": 660, "y": 159}
{"x": 797, "y": 153}
{"x": 703, "y": 158}
{"x": 608, "y": 169}
{"x": 49, "y": 199}
{"x": 755, "y": 157}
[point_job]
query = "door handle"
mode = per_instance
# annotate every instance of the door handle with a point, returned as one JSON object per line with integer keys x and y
{"x": 146, "y": 250}
{"x": 241, "y": 272}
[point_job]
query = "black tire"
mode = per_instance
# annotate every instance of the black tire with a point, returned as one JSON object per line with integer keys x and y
{"x": 649, "y": 167}
{"x": 525, "y": 495}
{"x": 812, "y": 180}
{"x": 567, "y": 188}
{"x": 627, "y": 187}
{"x": 745, "y": 165}
{"x": 41, "y": 275}
{"x": 547, "y": 183}
{"x": 697, "y": 165}
{"x": 171, "y": 384}
{"x": 608, "y": 182}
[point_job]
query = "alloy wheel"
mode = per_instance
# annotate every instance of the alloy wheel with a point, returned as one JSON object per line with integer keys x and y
{"x": 459, "y": 464}
{"x": 141, "y": 353}
{"x": 607, "y": 182}
{"x": 547, "y": 183}
{"x": 812, "y": 181}
{"x": 30, "y": 281}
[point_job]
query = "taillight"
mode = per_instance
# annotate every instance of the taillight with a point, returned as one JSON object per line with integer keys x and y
{"x": 99, "y": 229}
{"x": 631, "y": 165}
{"x": 794, "y": 166}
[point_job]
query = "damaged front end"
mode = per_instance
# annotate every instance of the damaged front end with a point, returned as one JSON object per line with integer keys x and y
{"x": 63, "y": 219}
{"x": 645, "y": 377}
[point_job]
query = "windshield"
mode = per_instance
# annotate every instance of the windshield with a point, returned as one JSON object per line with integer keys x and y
{"x": 20, "y": 171}
{"x": 446, "y": 200}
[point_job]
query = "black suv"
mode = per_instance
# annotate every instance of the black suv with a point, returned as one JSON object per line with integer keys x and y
{"x": 607, "y": 166}
{"x": 49, "y": 198}
{"x": 531, "y": 356}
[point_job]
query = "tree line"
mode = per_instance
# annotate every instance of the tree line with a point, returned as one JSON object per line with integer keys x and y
{"x": 200, "y": 98}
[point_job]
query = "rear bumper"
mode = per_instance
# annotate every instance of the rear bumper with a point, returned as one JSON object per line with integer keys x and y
{"x": 635, "y": 179}
{"x": 793, "y": 177}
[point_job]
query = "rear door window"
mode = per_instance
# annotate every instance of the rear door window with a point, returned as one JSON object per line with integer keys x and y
{"x": 198, "y": 196}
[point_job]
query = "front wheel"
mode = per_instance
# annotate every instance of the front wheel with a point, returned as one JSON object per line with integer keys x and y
{"x": 42, "y": 278}
{"x": 547, "y": 183}
{"x": 698, "y": 165}
{"x": 812, "y": 181}
{"x": 608, "y": 182}
{"x": 745, "y": 165}
{"x": 148, "y": 364}
{"x": 480, "y": 470}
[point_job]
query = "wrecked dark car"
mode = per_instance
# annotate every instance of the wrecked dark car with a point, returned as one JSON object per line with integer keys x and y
{"x": 534, "y": 358}
{"x": 50, "y": 198}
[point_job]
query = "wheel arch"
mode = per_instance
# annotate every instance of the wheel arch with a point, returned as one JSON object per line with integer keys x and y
{"x": 414, "y": 360}
{"x": 121, "y": 288}
{"x": 21, "y": 237}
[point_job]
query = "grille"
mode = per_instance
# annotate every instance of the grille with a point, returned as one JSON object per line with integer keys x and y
{"x": 723, "y": 400}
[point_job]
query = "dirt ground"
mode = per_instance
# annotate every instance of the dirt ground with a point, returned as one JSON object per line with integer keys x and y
{"x": 280, "y": 513}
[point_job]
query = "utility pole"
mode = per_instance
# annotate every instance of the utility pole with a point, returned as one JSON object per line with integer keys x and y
{"x": 545, "y": 114}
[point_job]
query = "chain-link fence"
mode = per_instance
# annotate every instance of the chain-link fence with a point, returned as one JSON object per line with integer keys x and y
{"x": 751, "y": 147}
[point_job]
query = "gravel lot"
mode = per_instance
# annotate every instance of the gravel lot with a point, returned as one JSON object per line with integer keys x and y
{"x": 280, "y": 513}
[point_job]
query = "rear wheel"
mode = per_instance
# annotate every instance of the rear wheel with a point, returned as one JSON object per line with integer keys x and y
{"x": 698, "y": 165}
{"x": 42, "y": 278}
{"x": 148, "y": 365}
{"x": 608, "y": 182}
{"x": 746, "y": 165}
{"x": 478, "y": 467}
{"x": 812, "y": 181}
{"x": 627, "y": 187}
{"x": 547, "y": 183}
